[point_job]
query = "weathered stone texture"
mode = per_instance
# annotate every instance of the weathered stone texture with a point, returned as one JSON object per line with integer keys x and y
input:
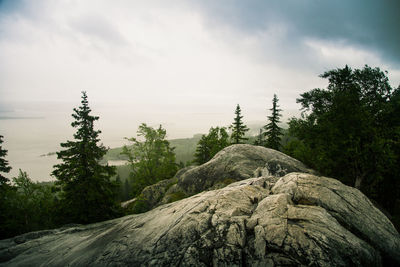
{"x": 299, "y": 219}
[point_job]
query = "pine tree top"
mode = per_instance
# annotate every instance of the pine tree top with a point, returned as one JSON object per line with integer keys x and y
{"x": 272, "y": 130}
{"x": 238, "y": 127}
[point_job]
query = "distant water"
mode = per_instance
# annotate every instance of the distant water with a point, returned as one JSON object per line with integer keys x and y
{"x": 32, "y": 130}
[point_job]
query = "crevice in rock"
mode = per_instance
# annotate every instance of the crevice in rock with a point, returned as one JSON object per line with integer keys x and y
{"x": 295, "y": 221}
{"x": 342, "y": 198}
{"x": 304, "y": 201}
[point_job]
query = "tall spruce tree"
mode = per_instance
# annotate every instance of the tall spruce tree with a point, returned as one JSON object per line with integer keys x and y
{"x": 273, "y": 132}
{"x": 88, "y": 194}
{"x": 238, "y": 128}
{"x": 4, "y": 167}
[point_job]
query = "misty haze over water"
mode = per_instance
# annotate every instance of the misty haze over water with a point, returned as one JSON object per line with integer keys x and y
{"x": 33, "y": 129}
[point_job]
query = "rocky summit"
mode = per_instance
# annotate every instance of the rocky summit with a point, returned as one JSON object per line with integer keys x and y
{"x": 298, "y": 219}
{"x": 234, "y": 163}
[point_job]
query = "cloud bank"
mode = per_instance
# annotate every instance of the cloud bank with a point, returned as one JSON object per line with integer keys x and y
{"x": 189, "y": 56}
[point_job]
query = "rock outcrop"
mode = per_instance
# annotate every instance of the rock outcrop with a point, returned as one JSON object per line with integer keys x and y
{"x": 299, "y": 219}
{"x": 234, "y": 163}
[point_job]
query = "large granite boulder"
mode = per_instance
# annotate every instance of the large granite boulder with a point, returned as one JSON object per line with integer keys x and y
{"x": 238, "y": 162}
{"x": 233, "y": 163}
{"x": 296, "y": 220}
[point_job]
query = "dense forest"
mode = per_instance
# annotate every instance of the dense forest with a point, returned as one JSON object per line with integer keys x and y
{"x": 349, "y": 131}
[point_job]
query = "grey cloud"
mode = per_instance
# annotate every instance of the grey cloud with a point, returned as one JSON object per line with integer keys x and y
{"x": 98, "y": 27}
{"x": 7, "y": 6}
{"x": 24, "y": 8}
{"x": 369, "y": 24}
{"x": 39, "y": 14}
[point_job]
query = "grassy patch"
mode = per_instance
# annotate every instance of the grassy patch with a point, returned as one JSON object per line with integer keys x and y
{"x": 223, "y": 183}
{"x": 176, "y": 196}
{"x": 139, "y": 206}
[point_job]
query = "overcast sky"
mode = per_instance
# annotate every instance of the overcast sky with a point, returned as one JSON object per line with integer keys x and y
{"x": 189, "y": 56}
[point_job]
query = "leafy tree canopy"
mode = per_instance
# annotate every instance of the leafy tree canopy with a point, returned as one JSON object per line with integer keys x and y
{"x": 350, "y": 131}
{"x": 152, "y": 159}
{"x": 27, "y": 206}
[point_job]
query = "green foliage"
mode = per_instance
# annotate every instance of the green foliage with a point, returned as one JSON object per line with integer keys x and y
{"x": 238, "y": 128}
{"x": 170, "y": 185}
{"x": 139, "y": 206}
{"x": 176, "y": 196}
{"x": 224, "y": 183}
{"x": 88, "y": 194}
{"x": 4, "y": 167}
{"x": 151, "y": 160}
{"x": 184, "y": 150}
{"x": 259, "y": 140}
{"x": 121, "y": 191}
{"x": 123, "y": 171}
{"x": 27, "y": 206}
{"x": 273, "y": 132}
{"x": 211, "y": 144}
{"x": 24, "y": 206}
{"x": 351, "y": 131}
{"x": 299, "y": 150}
{"x": 228, "y": 181}
{"x": 126, "y": 190}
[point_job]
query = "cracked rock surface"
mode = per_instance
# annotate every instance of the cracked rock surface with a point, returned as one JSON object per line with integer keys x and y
{"x": 296, "y": 220}
{"x": 233, "y": 163}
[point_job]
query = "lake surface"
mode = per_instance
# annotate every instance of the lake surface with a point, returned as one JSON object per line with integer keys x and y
{"x": 32, "y": 130}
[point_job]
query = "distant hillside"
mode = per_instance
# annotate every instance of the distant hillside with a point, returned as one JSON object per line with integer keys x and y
{"x": 184, "y": 150}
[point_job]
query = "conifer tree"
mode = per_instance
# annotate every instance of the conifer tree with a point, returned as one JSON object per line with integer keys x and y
{"x": 6, "y": 210}
{"x": 238, "y": 128}
{"x": 210, "y": 144}
{"x": 88, "y": 194}
{"x": 120, "y": 188}
{"x": 127, "y": 190}
{"x": 259, "y": 141}
{"x": 272, "y": 131}
{"x": 4, "y": 167}
{"x": 202, "y": 154}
